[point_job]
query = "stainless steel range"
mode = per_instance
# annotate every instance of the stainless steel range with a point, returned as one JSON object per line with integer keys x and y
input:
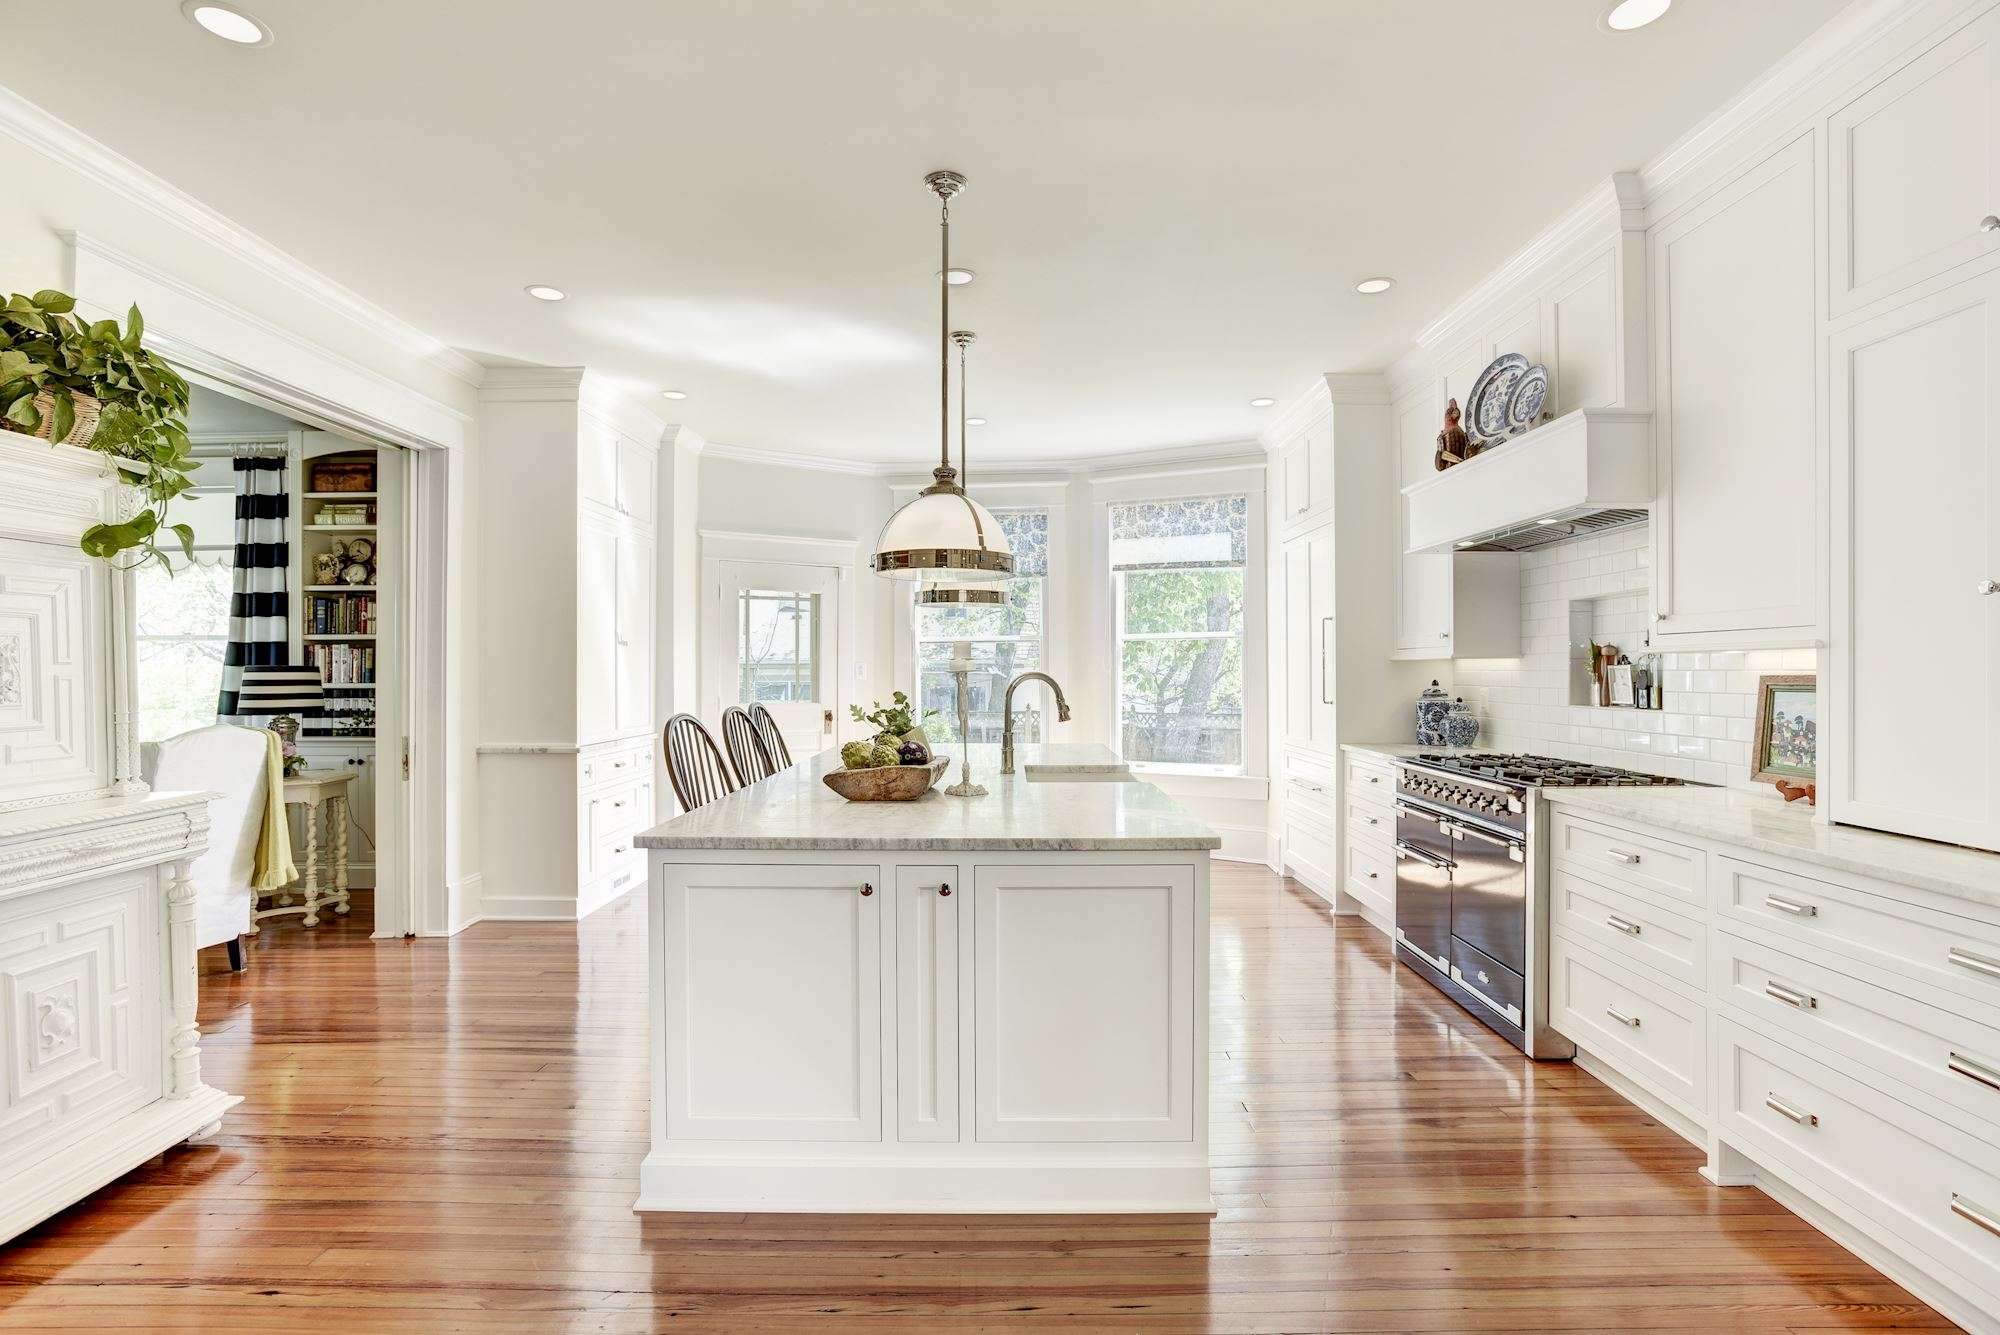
{"x": 1471, "y": 913}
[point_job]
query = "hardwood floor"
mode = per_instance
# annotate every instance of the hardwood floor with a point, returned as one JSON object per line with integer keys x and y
{"x": 444, "y": 1136}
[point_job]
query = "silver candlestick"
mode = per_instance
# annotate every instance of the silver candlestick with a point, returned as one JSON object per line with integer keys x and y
{"x": 961, "y": 671}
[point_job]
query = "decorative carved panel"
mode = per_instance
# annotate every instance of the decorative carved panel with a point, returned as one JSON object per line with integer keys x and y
{"x": 54, "y": 701}
{"x": 78, "y": 982}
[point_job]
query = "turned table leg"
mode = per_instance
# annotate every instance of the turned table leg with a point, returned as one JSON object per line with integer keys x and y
{"x": 339, "y": 818}
{"x": 312, "y": 864}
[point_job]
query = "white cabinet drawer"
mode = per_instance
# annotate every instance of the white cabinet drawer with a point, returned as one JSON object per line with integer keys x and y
{"x": 1917, "y": 1052}
{"x": 1643, "y": 862}
{"x": 1309, "y": 855}
{"x": 1630, "y": 927}
{"x": 1950, "y": 961}
{"x": 1311, "y": 797}
{"x": 614, "y": 765}
{"x": 1887, "y": 1167}
{"x": 1366, "y": 820}
{"x": 1371, "y": 780}
{"x": 618, "y": 810}
{"x": 1371, "y": 878}
{"x": 1642, "y": 1029}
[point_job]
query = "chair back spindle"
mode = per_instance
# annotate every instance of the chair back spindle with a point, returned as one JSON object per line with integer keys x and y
{"x": 773, "y": 739}
{"x": 745, "y": 747}
{"x": 694, "y": 763}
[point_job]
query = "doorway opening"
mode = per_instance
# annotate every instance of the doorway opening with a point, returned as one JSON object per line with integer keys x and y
{"x": 776, "y": 635}
{"x": 301, "y": 559}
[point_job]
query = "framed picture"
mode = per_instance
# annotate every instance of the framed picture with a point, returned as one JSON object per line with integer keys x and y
{"x": 1787, "y": 729}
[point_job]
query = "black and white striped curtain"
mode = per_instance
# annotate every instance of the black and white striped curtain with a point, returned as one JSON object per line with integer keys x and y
{"x": 258, "y": 610}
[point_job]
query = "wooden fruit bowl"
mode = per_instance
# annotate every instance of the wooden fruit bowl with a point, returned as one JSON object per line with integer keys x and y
{"x": 886, "y": 783}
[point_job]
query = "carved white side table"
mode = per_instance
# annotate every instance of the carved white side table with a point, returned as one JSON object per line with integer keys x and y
{"x": 321, "y": 796}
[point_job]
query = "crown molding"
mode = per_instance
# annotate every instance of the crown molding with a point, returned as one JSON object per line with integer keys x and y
{"x": 1309, "y": 403}
{"x": 533, "y": 384}
{"x": 1358, "y": 387}
{"x": 69, "y": 147}
{"x": 820, "y": 463}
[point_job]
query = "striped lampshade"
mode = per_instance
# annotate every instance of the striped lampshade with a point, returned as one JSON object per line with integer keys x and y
{"x": 280, "y": 689}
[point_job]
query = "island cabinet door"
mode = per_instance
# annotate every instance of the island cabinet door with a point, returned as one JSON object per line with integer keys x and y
{"x": 772, "y": 981}
{"x": 927, "y": 900}
{"x": 1084, "y": 1002}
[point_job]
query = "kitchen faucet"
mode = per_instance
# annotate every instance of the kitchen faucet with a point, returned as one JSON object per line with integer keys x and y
{"x": 1007, "y": 714}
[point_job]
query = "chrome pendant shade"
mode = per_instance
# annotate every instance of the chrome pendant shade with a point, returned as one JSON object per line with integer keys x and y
{"x": 958, "y": 592}
{"x": 943, "y": 533}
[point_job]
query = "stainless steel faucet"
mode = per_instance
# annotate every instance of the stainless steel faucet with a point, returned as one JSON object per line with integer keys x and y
{"x": 1007, "y": 714}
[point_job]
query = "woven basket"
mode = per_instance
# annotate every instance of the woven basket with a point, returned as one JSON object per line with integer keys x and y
{"x": 81, "y": 431}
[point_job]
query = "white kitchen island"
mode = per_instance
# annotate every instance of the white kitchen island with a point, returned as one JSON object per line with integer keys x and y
{"x": 955, "y": 1004}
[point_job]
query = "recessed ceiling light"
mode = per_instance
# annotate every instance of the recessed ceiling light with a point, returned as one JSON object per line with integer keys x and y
{"x": 543, "y": 292}
{"x": 1629, "y": 14}
{"x": 673, "y": 393}
{"x": 1468, "y": 543}
{"x": 1548, "y": 520}
{"x": 227, "y": 22}
{"x": 1373, "y": 285}
{"x": 1262, "y": 403}
{"x": 975, "y": 421}
{"x": 959, "y": 277}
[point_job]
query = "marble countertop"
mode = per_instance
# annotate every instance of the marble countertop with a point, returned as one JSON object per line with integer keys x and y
{"x": 1766, "y": 823}
{"x": 795, "y": 810}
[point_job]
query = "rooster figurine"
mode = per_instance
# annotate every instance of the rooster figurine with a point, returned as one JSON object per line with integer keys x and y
{"x": 1454, "y": 446}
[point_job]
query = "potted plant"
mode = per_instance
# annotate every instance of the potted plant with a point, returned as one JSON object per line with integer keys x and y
{"x": 893, "y": 721}
{"x": 93, "y": 385}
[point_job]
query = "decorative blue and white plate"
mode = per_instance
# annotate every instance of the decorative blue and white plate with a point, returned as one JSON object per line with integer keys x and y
{"x": 1486, "y": 406}
{"x": 1524, "y": 405}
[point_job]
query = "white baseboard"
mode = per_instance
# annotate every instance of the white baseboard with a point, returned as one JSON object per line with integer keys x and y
{"x": 1243, "y": 843}
{"x": 465, "y": 903}
{"x": 711, "y": 1184}
{"x": 529, "y": 908}
{"x": 1645, "y": 1101}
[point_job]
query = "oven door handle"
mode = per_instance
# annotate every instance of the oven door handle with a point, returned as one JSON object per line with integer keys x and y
{"x": 1515, "y": 849}
{"x": 1417, "y": 813}
{"x": 1404, "y": 850}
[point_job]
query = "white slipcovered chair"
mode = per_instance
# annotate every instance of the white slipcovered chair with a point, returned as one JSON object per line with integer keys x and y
{"x": 229, "y": 761}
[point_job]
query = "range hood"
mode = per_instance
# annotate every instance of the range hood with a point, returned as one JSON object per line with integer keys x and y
{"x": 1585, "y": 472}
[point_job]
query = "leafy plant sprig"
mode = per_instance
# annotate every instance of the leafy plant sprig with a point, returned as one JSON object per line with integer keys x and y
{"x": 142, "y": 417}
{"x": 894, "y": 718}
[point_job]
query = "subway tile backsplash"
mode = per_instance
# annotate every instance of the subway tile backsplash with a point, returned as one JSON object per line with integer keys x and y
{"x": 1704, "y": 731}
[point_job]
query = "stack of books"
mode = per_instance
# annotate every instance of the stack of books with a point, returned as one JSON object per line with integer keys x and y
{"x": 343, "y": 664}
{"x": 340, "y": 614}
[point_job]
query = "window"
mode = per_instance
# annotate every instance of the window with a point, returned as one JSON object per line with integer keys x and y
{"x": 777, "y": 646}
{"x": 1006, "y": 641}
{"x": 1178, "y": 580}
{"x": 183, "y": 613}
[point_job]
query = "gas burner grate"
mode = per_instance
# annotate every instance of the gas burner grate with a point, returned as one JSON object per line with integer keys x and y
{"x": 1533, "y": 771}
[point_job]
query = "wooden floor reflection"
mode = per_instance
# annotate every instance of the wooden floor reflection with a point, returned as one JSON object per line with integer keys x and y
{"x": 444, "y": 1135}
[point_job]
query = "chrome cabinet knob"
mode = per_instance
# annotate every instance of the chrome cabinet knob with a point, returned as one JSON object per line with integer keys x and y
{"x": 1989, "y": 223}
{"x": 1989, "y": 586}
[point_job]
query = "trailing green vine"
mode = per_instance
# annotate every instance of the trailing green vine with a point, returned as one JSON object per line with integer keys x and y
{"x": 142, "y": 417}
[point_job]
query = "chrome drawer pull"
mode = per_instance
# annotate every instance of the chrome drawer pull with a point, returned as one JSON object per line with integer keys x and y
{"x": 1630, "y": 1021}
{"x": 1629, "y": 928}
{"x": 1372, "y": 820}
{"x": 1791, "y": 906}
{"x": 1965, "y": 1209}
{"x": 1374, "y": 778}
{"x": 1973, "y": 1069}
{"x": 1777, "y": 991}
{"x": 1965, "y": 959}
{"x": 1620, "y": 855}
{"x": 1789, "y": 1113}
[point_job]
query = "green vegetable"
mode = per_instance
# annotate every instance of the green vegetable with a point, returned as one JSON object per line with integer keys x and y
{"x": 883, "y": 754}
{"x": 143, "y": 414}
{"x": 858, "y": 755}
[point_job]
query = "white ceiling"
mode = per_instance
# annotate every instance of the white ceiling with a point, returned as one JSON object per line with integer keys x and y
{"x": 1170, "y": 200}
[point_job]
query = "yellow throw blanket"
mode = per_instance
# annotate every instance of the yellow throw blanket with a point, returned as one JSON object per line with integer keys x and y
{"x": 274, "y": 866}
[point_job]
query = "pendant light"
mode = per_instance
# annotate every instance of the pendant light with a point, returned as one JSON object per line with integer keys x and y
{"x": 943, "y": 533}
{"x": 959, "y": 593}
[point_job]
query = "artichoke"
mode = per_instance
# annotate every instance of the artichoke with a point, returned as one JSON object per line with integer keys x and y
{"x": 884, "y": 754}
{"x": 857, "y": 755}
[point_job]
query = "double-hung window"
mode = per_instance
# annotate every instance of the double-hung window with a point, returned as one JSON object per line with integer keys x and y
{"x": 1006, "y": 640}
{"x": 182, "y": 610}
{"x": 1177, "y": 570}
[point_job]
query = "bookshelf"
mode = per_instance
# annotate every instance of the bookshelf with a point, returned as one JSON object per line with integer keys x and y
{"x": 338, "y": 620}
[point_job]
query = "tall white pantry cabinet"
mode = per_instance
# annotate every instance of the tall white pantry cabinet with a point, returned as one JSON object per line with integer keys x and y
{"x": 567, "y": 502}
{"x": 1336, "y": 680}
{"x": 1912, "y": 294}
{"x": 100, "y": 1067}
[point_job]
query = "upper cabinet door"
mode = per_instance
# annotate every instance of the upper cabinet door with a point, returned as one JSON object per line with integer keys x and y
{"x": 635, "y": 633}
{"x": 597, "y": 463}
{"x": 1299, "y": 632}
{"x": 1735, "y": 528}
{"x": 597, "y": 631}
{"x": 1306, "y": 468}
{"x": 637, "y": 495}
{"x": 1912, "y": 728}
{"x": 1914, "y": 169}
{"x": 1423, "y": 582}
